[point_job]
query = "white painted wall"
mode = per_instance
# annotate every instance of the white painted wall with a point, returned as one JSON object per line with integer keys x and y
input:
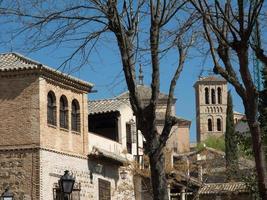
{"x": 53, "y": 165}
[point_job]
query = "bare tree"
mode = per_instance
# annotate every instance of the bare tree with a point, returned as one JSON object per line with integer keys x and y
{"x": 228, "y": 28}
{"x": 133, "y": 23}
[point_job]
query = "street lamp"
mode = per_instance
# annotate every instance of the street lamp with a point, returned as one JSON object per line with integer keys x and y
{"x": 7, "y": 195}
{"x": 66, "y": 183}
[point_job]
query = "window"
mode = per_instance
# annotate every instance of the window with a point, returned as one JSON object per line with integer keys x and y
{"x": 219, "y": 125}
{"x": 128, "y": 138}
{"x": 212, "y": 96}
{"x": 51, "y": 109}
{"x": 105, "y": 125}
{"x": 209, "y": 125}
{"x": 104, "y": 189}
{"x": 219, "y": 94}
{"x": 75, "y": 116}
{"x": 207, "y": 96}
{"x": 63, "y": 112}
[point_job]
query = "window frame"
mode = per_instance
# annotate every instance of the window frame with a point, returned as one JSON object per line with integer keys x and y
{"x": 51, "y": 109}
{"x": 63, "y": 112}
{"x": 75, "y": 116}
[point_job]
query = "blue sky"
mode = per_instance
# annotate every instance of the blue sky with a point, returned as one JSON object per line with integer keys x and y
{"x": 104, "y": 71}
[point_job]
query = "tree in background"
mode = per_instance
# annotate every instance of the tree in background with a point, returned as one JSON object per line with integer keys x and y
{"x": 228, "y": 27}
{"x": 143, "y": 32}
{"x": 263, "y": 108}
{"x": 231, "y": 150}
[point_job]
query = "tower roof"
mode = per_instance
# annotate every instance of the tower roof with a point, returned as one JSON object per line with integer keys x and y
{"x": 144, "y": 92}
{"x": 210, "y": 80}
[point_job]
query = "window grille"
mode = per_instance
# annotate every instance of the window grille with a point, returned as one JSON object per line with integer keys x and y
{"x": 128, "y": 138}
{"x": 104, "y": 189}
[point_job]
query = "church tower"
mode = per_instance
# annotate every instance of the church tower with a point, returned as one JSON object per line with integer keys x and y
{"x": 211, "y": 104}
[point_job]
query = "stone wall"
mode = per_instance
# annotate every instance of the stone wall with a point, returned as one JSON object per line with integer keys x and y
{"x": 19, "y": 169}
{"x": 210, "y": 111}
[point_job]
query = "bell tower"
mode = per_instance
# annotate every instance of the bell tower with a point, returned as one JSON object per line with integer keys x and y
{"x": 211, "y": 104}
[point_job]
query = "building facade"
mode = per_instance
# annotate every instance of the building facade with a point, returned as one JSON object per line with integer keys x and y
{"x": 44, "y": 131}
{"x": 211, "y": 105}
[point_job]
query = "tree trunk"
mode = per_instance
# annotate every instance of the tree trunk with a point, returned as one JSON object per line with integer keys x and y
{"x": 259, "y": 158}
{"x": 158, "y": 175}
{"x": 251, "y": 110}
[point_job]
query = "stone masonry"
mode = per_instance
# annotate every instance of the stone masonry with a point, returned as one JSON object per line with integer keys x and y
{"x": 211, "y": 104}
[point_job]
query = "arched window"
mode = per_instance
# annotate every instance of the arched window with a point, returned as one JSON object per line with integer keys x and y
{"x": 207, "y": 96}
{"x": 51, "y": 108}
{"x": 219, "y": 125}
{"x": 209, "y": 125}
{"x": 63, "y": 112}
{"x": 219, "y": 94}
{"x": 212, "y": 96}
{"x": 75, "y": 116}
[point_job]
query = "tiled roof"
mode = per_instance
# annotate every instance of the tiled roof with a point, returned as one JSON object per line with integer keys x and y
{"x": 17, "y": 62}
{"x": 243, "y": 162}
{"x": 106, "y": 105}
{"x": 217, "y": 188}
{"x": 161, "y": 118}
{"x": 212, "y": 78}
{"x": 112, "y": 105}
{"x": 144, "y": 92}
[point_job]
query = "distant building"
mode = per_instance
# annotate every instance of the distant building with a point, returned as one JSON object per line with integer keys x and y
{"x": 211, "y": 105}
{"x": 179, "y": 140}
{"x": 205, "y": 176}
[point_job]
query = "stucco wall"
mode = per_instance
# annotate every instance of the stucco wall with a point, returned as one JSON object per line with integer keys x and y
{"x": 53, "y": 165}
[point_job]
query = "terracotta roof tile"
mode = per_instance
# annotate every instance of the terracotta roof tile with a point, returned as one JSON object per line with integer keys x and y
{"x": 216, "y": 188}
{"x": 106, "y": 105}
{"x": 144, "y": 92}
{"x": 16, "y": 62}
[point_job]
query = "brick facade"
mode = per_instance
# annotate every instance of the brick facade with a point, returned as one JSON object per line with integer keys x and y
{"x": 33, "y": 153}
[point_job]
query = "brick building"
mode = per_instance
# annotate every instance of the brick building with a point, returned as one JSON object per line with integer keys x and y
{"x": 44, "y": 131}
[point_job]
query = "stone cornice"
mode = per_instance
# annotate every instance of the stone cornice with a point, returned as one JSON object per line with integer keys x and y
{"x": 36, "y": 147}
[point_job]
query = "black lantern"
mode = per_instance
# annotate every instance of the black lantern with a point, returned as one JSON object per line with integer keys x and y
{"x": 7, "y": 195}
{"x": 66, "y": 183}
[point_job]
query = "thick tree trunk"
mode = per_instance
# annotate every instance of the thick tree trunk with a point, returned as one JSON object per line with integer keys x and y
{"x": 251, "y": 110}
{"x": 158, "y": 176}
{"x": 259, "y": 158}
